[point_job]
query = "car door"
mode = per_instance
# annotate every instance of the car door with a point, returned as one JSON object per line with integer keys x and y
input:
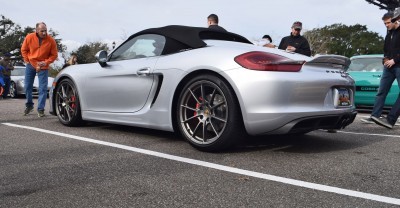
{"x": 124, "y": 84}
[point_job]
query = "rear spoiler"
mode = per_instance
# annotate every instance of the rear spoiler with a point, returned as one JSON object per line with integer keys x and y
{"x": 331, "y": 61}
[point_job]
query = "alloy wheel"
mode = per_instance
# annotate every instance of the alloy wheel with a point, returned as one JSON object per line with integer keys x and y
{"x": 203, "y": 112}
{"x": 66, "y": 102}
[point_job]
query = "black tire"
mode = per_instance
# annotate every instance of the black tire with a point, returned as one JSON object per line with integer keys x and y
{"x": 213, "y": 123}
{"x": 67, "y": 104}
{"x": 13, "y": 90}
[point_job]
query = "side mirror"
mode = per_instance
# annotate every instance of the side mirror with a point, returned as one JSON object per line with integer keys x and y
{"x": 101, "y": 57}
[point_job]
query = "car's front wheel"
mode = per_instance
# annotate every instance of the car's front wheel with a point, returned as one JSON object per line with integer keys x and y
{"x": 208, "y": 114}
{"x": 13, "y": 90}
{"x": 67, "y": 104}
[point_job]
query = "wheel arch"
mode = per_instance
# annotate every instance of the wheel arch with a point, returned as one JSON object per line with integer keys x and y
{"x": 186, "y": 79}
{"x": 60, "y": 79}
{"x": 71, "y": 96}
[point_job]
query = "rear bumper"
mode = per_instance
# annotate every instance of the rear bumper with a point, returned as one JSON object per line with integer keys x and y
{"x": 307, "y": 124}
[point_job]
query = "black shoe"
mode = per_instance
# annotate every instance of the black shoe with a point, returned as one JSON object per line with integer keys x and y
{"x": 28, "y": 110}
{"x": 382, "y": 122}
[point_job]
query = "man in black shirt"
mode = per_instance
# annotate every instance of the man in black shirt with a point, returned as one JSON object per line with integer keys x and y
{"x": 295, "y": 42}
{"x": 212, "y": 21}
{"x": 391, "y": 72}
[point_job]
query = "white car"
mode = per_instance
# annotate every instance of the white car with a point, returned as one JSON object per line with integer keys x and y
{"x": 17, "y": 83}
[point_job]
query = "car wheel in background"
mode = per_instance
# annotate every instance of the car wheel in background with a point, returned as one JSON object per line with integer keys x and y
{"x": 208, "y": 115}
{"x": 67, "y": 104}
{"x": 13, "y": 90}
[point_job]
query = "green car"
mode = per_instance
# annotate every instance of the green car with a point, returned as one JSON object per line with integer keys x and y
{"x": 366, "y": 70}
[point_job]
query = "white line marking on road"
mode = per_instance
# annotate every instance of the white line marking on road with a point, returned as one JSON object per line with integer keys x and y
{"x": 382, "y": 135}
{"x": 278, "y": 179}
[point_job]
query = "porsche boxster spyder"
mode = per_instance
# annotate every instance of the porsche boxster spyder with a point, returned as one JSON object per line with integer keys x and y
{"x": 212, "y": 87}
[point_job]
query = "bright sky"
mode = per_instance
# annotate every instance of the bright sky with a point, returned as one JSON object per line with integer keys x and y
{"x": 83, "y": 21}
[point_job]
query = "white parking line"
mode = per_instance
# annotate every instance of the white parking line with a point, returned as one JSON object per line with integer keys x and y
{"x": 382, "y": 135}
{"x": 294, "y": 182}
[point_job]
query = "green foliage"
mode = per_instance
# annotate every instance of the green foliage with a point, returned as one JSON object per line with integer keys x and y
{"x": 12, "y": 36}
{"x": 86, "y": 53}
{"x": 344, "y": 40}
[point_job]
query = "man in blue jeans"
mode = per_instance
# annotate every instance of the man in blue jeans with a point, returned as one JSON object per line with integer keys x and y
{"x": 39, "y": 50}
{"x": 390, "y": 73}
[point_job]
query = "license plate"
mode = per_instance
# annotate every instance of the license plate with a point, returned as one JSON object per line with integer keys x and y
{"x": 342, "y": 97}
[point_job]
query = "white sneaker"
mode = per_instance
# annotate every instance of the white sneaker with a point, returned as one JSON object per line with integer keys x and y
{"x": 367, "y": 120}
{"x": 382, "y": 121}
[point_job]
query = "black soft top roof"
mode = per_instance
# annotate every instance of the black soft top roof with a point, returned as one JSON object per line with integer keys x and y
{"x": 193, "y": 36}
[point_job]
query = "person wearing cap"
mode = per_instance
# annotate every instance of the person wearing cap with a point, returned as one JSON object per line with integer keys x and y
{"x": 212, "y": 21}
{"x": 38, "y": 50}
{"x": 391, "y": 72}
{"x": 266, "y": 41}
{"x": 295, "y": 42}
{"x": 8, "y": 67}
{"x": 396, "y": 15}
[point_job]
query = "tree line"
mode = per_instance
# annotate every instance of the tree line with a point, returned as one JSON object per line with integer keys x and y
{"x": 336, "y": 39}
{"x": 344, "y": 40}
{"x": 12, "y": 36}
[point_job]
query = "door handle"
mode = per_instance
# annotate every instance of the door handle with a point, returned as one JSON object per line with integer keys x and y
{"x": 144, "y": 72}
{"x": 376, "y": 75}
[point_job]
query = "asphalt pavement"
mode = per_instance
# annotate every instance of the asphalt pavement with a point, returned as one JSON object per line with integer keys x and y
{"x": 46, "y": 164}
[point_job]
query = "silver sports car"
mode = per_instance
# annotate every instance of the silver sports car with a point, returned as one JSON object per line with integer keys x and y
{"x": 18, "y": 79}
{"x": 212, "y": 87}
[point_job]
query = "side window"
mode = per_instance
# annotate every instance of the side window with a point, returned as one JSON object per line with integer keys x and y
{"x": 141, "y": 46}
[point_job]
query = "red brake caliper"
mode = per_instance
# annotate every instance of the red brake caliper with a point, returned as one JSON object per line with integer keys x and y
{"x": 198, "y": 105}
{"x": 73, "y": 99}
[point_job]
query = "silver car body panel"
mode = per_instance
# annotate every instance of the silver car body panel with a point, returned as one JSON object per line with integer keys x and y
{"x": 270, "y": 102}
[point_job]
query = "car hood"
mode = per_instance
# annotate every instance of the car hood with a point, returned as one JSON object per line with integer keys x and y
{"x": 35, "y": 82}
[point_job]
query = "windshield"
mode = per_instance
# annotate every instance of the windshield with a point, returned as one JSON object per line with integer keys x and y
{"x": 373, "y": 64}
{"x": 143, "y": 46}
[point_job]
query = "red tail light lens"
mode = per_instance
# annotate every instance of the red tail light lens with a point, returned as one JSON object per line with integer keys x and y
{"x": 263, "y": 61}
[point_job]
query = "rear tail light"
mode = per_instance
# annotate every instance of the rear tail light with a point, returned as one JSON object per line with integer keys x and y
{"x": 263, "y": 61}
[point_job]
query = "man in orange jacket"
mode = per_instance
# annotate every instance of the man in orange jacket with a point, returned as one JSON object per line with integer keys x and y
{"x": 39, "y": 50}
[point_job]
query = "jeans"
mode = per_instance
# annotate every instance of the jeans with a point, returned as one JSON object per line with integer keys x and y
{"x": 387, "y": 79}
{"x": 30, "y": 74}
{"x": 7, "y": 82}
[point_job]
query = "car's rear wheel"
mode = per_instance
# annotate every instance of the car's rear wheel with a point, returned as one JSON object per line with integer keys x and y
{"x": 67, "y": 104}
{"x": 13, "y": 90}
{"x": 208, "y": 114}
